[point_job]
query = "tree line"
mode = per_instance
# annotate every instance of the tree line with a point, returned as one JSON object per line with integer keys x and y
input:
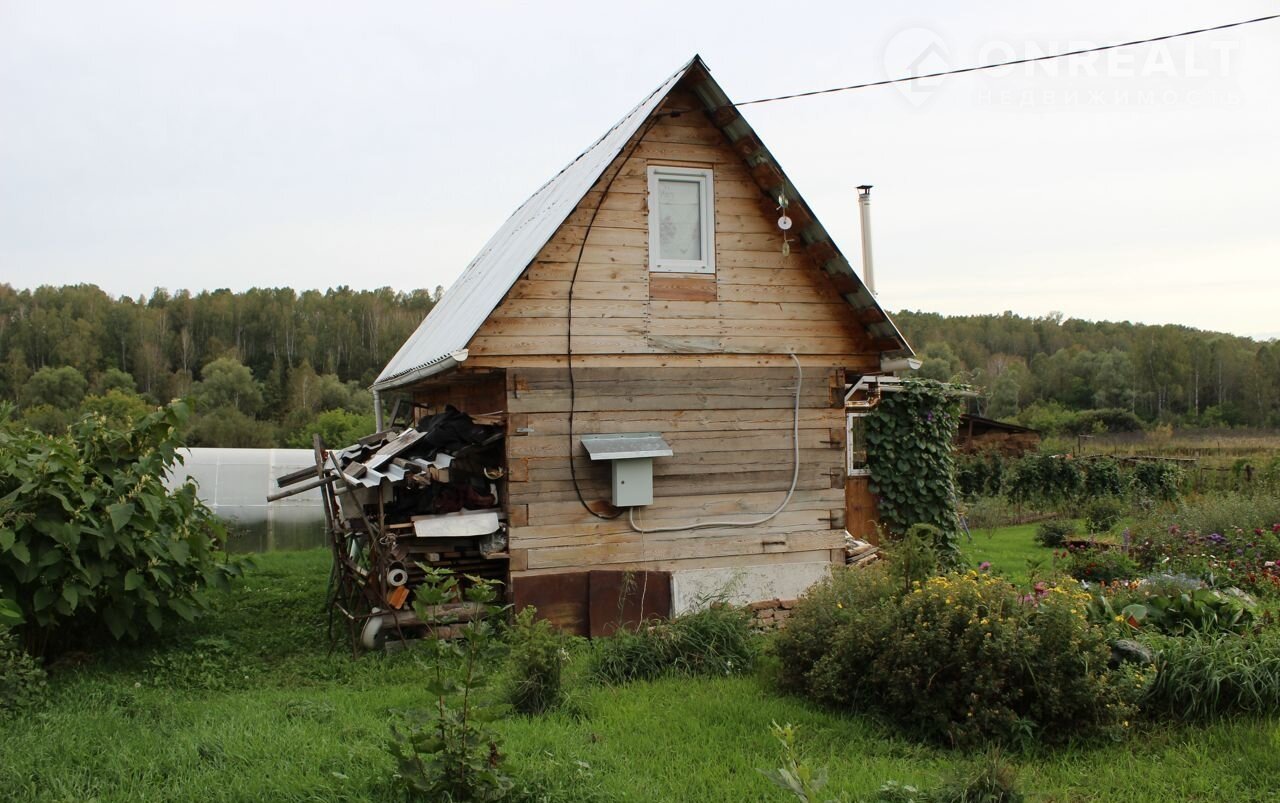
{"x": 1050, "y": 372}
{"x": 270, "y": 366}
{"x": 266, "y": 367}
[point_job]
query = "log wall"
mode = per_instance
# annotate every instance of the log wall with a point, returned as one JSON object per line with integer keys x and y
{"x": 731, "y": 431}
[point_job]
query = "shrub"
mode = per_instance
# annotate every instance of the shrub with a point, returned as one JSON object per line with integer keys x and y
{"x": 1096, "y": 565}
{"x": 1102, "y": 478}
{"x": 1156, "y": 480}
{"x": 1055, "y": 532}
{"x": 716, "y": 640}
{"x": 1102, "y": 514}
{"x": 448, "y": 751}
{"x": 980, "y": 474}
{"x": 1044, "y": 479}
{"x": 89, "y": 532}
{"x": 823, "y": 610}
{"x": 537, "y": 663}
{"x": 1201, "y": 676}
{"x": 963, "y": 659}
{"x": 22, "y": 679}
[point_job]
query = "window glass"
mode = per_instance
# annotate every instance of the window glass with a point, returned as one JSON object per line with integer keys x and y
{"x": 680, "y": 219}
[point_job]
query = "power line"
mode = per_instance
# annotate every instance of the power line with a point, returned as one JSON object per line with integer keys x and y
{"x": 1014, "y": 62}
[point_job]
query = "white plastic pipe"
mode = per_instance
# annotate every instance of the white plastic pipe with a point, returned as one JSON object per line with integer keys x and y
{"x": 864, "y": 213}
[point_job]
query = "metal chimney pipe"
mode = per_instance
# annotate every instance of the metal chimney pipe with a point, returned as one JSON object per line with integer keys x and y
{"x": 864, "y": 210}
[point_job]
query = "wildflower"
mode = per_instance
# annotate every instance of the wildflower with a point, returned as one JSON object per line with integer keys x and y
{"x": 984, "y": 566}
{"x": 840, "y": 605}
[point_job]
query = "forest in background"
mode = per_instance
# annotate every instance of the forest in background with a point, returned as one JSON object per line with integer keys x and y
{"x": 272, "y": 366}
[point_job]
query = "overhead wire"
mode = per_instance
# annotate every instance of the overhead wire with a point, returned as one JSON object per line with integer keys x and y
{"x": 999, "y": 64}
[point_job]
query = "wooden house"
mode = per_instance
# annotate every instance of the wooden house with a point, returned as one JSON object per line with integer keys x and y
{"x": 649, "y": 288}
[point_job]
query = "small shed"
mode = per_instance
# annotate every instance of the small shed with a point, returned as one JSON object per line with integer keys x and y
{"x": 650, "y": 289}
{"x": 978, "y": 434}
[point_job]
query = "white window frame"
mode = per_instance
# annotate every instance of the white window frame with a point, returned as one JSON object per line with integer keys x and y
{"x": 850, "y": 469}
{"x": 706, "y": 214}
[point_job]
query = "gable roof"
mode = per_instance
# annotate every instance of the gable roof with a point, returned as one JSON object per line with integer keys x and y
{"x": 440, "y": 341}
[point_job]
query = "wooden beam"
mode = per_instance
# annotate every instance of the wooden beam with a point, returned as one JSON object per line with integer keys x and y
{"x": 724, "y": 116}
{"x": 870, "y": 314}
{"x": 767, "y": 176}
{"x": 821, "y": 251}
{"x": 748, "y": 145}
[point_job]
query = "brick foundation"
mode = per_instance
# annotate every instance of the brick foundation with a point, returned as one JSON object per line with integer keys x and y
{"x": 771, "y": 614}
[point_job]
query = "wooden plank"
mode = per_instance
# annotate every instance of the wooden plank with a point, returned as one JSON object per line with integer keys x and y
{"x": 594, "y": 487}
{"x": 703, "y": 506}
{"x": 556, "y": 423}
{"x": 671, "y": 287}
{"x": 720, "y": 562}
{"x": 857, "y": 362}
{"x": 862, "y": 515}
{"x": 707, "y": 441}
{"x": 650, "y": 549}
{"x": 620, "y": 531}
{"x": 638, "y": 291}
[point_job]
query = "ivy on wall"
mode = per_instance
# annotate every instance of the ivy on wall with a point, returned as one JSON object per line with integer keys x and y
{"x": 910, "y": 436}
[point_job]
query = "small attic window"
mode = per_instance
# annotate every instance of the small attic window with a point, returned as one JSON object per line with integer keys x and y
{"x": 681, "y": 222}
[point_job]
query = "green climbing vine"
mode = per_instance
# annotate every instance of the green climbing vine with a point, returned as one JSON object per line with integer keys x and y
{"x": 909, "y": 451}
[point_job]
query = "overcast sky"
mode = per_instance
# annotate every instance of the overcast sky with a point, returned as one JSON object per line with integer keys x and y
{"x": 312, "y": 144}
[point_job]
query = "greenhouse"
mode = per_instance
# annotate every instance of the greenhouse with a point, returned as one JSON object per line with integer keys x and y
{"x": 235, "y": 484}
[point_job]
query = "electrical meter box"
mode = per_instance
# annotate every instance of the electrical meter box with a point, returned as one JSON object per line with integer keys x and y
{"x": 631, "y": 455}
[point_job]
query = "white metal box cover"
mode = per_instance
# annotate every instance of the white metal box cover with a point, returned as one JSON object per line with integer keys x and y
{"x": 631, "y": 454}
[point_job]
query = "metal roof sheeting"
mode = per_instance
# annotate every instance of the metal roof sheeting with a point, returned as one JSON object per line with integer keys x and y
{"x": 440, "y": 341}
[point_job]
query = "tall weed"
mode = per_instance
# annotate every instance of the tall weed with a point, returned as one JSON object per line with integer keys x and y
{"x": 716, "y": 640}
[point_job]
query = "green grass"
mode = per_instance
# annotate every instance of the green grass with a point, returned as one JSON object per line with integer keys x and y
{"x": 1011, "y": 551}
{"x": 250, "y": 706}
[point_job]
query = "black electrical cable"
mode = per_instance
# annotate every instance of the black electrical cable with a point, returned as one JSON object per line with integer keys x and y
{"x": 997, "y": 65}
{"x": 573, "y": 391}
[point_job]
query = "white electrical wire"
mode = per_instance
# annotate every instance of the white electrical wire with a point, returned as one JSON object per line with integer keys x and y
{"x": 795, "y": 479}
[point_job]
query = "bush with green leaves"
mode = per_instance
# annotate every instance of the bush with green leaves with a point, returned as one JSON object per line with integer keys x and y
{"x": 537, "y": 661}
{"x": 980, "y": 474}
{"x": 1206, "y": 675}
{"x": 715, "y": 640}
{"x": 998, "y": 666}
{"x": 1102, "y": 514}
{"x": 90, "y": 534}
{"x": 1159, "y": 480}
{"x": 1102, "y": 477}
{"x": 449, "y": 751}
{"x": 910, "y": 436}
{"x": 1097, "y": 564}
{"x": 1044, "y": 479}
{"x": 1055, "y": 532}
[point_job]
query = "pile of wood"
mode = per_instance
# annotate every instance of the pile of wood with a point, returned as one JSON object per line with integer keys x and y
{"x": 860, "y": 553}
{"x": 403, "y": 500}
